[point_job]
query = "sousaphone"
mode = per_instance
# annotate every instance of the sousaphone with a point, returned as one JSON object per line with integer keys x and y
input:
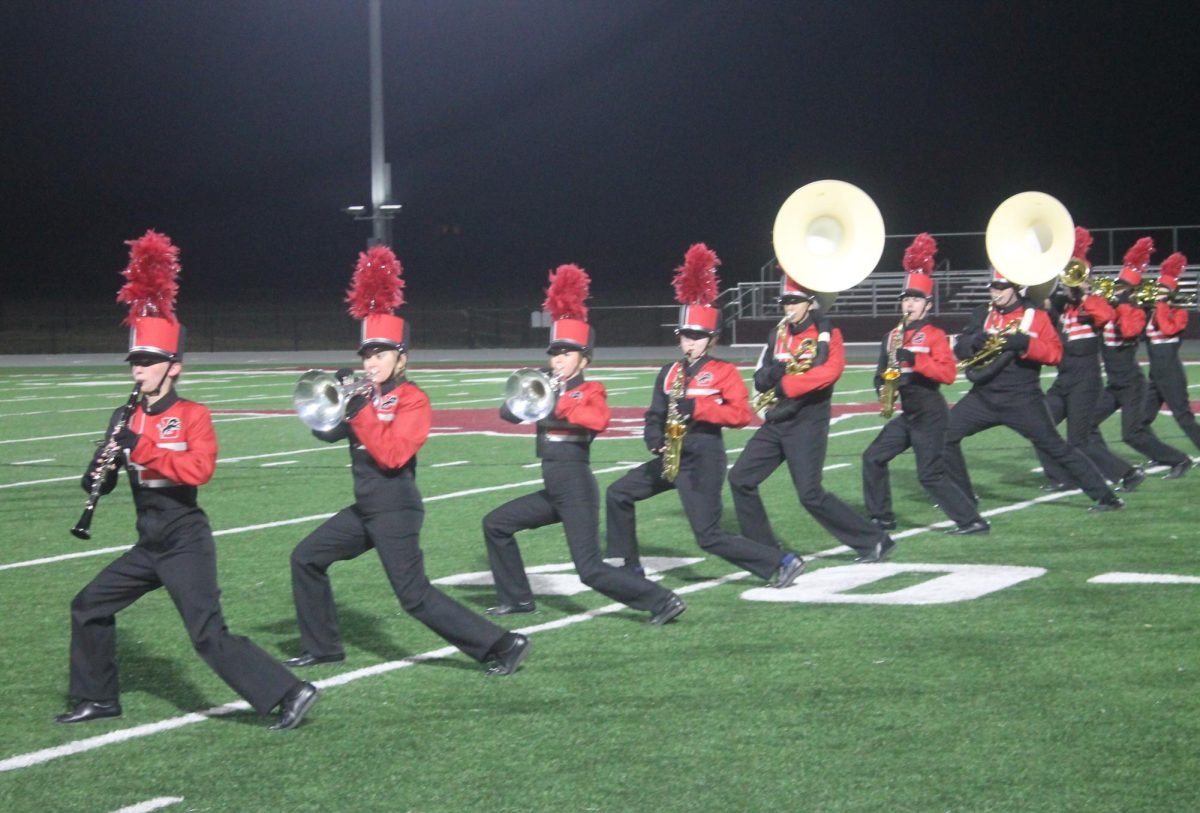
{"x": 1030, "y": 238}
{"x": 828, "y": 237}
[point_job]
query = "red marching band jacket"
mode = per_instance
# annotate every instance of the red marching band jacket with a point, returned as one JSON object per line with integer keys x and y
{"x": 819, "y": 377}
{"x": 395, "y": 428}
{"x": 933, "y": 357}
{"x": 718, "y": 391}
{"x": 1045, "y": 347}
{"x": 1075, "y": 329}
{"x": 1165, "y": 324}
{"x": 177, "y": 447}
{"x": 1127, "y": 324}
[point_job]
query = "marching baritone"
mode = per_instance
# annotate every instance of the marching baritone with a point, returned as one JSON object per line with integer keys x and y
{"x": 387, "y": 421}
{"x": 1164, "y": 326}
{"x": 1005, "y": 390}
{"x": 919, "y": 353}
{"x": 797, "y": 371}
{"x": 170, "y": 450}
{"x": 1126, "y": 389}
{"x": 569, "y": 494}
{"x": 1081, "y": 316}
{"x": 692, "y": 400}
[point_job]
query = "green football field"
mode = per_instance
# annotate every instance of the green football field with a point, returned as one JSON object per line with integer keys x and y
{"x": 1049, "y": 666}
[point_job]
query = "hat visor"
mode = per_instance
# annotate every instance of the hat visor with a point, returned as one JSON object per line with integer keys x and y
{"x": 158, "y": 355}
{"x": 374, "y": 347}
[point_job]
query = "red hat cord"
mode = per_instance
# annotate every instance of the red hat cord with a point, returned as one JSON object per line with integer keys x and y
{"x": 918, "y": 262}
{"x": 565, "y": 297}
{"x": 1171, "y": 270}
{"x": 1136, "y": 260}
{"x": 150, "y": 290}
{"x": 696, "y": 288}
{"x": 376, "y": 289}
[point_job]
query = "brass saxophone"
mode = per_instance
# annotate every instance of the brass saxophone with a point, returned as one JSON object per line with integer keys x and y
{"x": 992, "y": 346}
{"x": 891, "y": 373}
{"x": 795, "y": 366}
{"x": 675, "y": 427}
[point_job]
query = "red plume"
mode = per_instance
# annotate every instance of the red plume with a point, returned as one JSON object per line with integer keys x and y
{"x": 696, "y": 280}
{"x": 151, "y": 287}
{"x": 568, "y": 289}
{"x": 919, "y": 255}
{"x": 1138, "y": 255}
{"x": 1173, "y": 266}
{"x": 376, "y": 286}
{"x": 1083, "y": 242}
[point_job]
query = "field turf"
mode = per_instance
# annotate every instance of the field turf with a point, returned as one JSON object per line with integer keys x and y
{"x": 1064, "y": 688}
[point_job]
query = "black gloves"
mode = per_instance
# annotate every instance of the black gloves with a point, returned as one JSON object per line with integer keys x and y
{"x": 126, "y": 438}
{"x": 1017, "y": 341}
{"x": 769, "y": 375}
{"x": 343, "y": 375}
{"x": 905, "y": 355}
{"x": 686, "y": 407}
{"x": 356, "y": 405}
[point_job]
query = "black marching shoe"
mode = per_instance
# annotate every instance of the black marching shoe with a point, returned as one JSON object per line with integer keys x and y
{"x": 670, "y": 612}
{"x": 513, "y": 609}
{"x": 295, "y": 704}
{"x": 90, "y": 710}
{"x": 1110, "y": 503}
{"x": 1134, "y": 479}
{"x": 880, "y": 552}
{"x": 883, "y": 524}
{"x": 979, "y": 526}
{"x": 309, "y": 659}
{"x": 1179, "y": 469}
{"x": 506, "y": 661}
{"x": 789, "y": 570}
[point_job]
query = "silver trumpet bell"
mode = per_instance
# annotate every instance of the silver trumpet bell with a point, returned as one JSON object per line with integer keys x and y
{"x": 530, "y": 394}
{"x": 320, "y": 399}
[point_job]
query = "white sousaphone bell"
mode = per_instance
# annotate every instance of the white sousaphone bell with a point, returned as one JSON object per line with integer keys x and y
{"x": 1030, "y": 238}
{"x": 828, "y": 237}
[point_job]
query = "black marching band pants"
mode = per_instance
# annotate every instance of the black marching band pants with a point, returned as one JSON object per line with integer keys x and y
{"x": 701, "y": 477}
{"x": 1129, "y": 396}
{"x": 395, "y": 536}
{"x": 1168, "y": 385}
{"x": 571, "y": 497}
{"x": 925, "y": 432}
{"x": 1075, "y": 395}
{"x": 801, "y": 442}
{"x": 186, "y": 565}
{"x": 1028, "y": 416}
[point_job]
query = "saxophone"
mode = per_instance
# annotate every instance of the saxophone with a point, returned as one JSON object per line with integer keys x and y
{"x": 795, "y": 366}
{"x": 891, "y": 374}
{"x": 675, "y": 427}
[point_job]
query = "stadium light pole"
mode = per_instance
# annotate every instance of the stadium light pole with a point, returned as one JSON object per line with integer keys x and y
{"x": 382, "y": 210}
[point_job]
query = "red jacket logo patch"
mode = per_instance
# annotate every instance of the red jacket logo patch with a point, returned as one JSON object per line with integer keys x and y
{"x": 704, "y": 379}
{"x": 169, "y": 428}
{"x": 919, "y": 338}
{"x": 577, "y": 395}
{"x": 389, "y": 402}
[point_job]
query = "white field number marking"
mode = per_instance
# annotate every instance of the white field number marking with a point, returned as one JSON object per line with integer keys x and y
{"x": 956, "y": 583}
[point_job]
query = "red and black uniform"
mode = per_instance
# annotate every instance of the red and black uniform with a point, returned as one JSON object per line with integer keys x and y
{"x": 1075, "y": 392}
{"x": 570, "y": 496}
{"x": 797, "y": 431}
{"x": 175, "y": 452}
{"x": 1007, "y": 392}
{"x": 926, "y": 363}
{"x": 1126, "y": 388}
{"x": 387, "y": 515}
{"x": 714, "y": 396}
{"x": 1168, "y": 379}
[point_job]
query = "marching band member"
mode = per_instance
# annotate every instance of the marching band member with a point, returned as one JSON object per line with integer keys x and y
{"x": 170, "y": 450}
{"x": 569, "y": 494}
{"x": 799, "y": 365}
{"x": 385, "y": 432}
{"x": 697, "y": 395}
{"x": 1126, "y": 388}
{"x": 1081, "y": 316}
{"x": 920, "y": 352}
{"x": 1168, "y": 379}
{"x": 1006, "y": 390}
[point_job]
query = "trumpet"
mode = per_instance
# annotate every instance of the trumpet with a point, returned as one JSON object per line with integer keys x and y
{"x": 993, "y": 346}
{"x": 320, "y": 398}
{"x": 530, "y": 394}
{"x": 1145, "y": 295}
{"x": 1105, "y": 288}
{"x": 891, "y": 374}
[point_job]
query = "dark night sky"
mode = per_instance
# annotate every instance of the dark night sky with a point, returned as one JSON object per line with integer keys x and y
{"x": 612, "y": 134}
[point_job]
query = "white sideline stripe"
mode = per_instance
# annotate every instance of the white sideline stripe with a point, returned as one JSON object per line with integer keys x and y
{"x": 151, "y": 804}
{"x": 449, "y": 463}
{"x": 52, "y": 437}
{"x": 31, "y": 462}
{"x": 40, "y": 482}
{"x": 280, "y": 463}
{"x": 1143, "y": 578}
